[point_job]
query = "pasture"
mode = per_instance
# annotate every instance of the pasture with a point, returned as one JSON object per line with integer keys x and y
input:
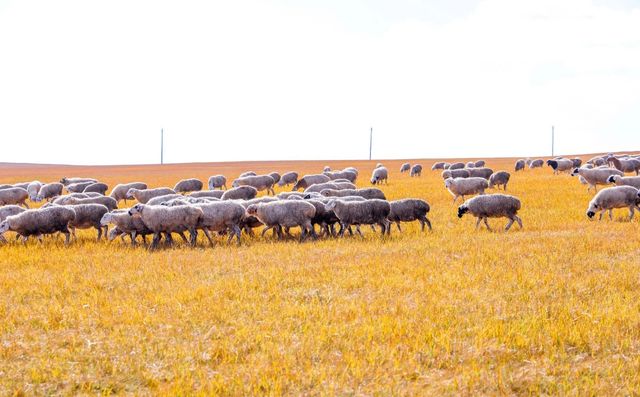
{"x": 553, "y": 308}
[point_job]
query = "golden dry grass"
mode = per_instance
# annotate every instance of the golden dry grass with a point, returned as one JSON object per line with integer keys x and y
{"x": 551, "y": 309}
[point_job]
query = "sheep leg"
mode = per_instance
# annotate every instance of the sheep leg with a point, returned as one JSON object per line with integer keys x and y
{"x": 154, "y": 242}
{"x": 400, "y": 229}
{"x": 24, "y": 239}
{"x": 517, "y": 218}
{"x": 455, "y": 197}
{"x": 631, "y": 212}
{"x": 144, "y": 239}
{"x": 266, "y": 228}
{"x": 358, "y": 230}
{"x": 478, "y": 223}
{"x": 169, "y": 239}
{"x": 601, "y": 213}
{"x": 343, "y": 228}
{"x": 610, "y": 214}
{"x": 67, "y": 236}
{"x": 133, "y": 238}
{"x": 193, "y": 234}
{"x": 184, "y": 238}
{"x": 511, "y": 220}
{"x": 25, "y": 204}
{"x": 2, "y": 239}
{"x": 235, "y": 229}
{"x": 208, "y": 236}
{"x": 428, "y": 222}
{"x": 73, "y": 232}
{"x": 486, "y": 222}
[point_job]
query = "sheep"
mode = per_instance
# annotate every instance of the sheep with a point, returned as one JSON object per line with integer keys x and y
{"x": 62, "y": 200}
{"x": 163, "y": 199}
{"x": 596, "y": 176}
{"x": 240, "y": 193}
{"x": 286, "y": 195}
{"x": 500, "y": 178}
{"x": 287, "y": 214}
{"x": 352, "y": 169}
{"x": 625, "y": 180}
{"x": 456, "y": 166}
{"x": 537, "y": 163}
{"x": 614, "y": 197}
{"x": 160, "y": 219}
{"x": 416, "y": 170}
{"x": 560, "y": 165}
{"x": 370, "y": 193}
{"x": 108, "y": 202}
{"x": 249, "y": 222}
{"x": 577, "y": 162}
{"x": 49, "y": 191}
{"x": 33, "y": 189}
{"x": 378, "y": 165}
{"x": 120, "y": 191}
{"x": 276, "y": 177}
{"x": 188, "y": 185}
{"x": 77, "y": 187}
{"x": 288, "y": 178}
{"x": 259, "y": 182}
{"x": 318, "y": 187}
{"x": 126, "y": 224}
{"x": 470, "y": 164}
{"x": 597, "y": 161}
{"x": 457, "y": 173}
{"x": 326, "y": 168}
{"x": 446, "y": 166}
{"x": 409, "y": 210}
{"x": 6, "y": 211}
{"x": 217, "y": 181}
{"x": 480, "y": 163}
{"x": 220, "y": 217}
{"x": 369, "y": 212}
{"x": 187, "y": 200}
{"x": 98, "y": 187}
{"x": 88, "y": 216}
{"x": 208, "y": 193}
{"x": 379, "y": 175}
{"x": 5, "y": 186}
{"x": 492, "y": 206}
{"x": 22, "y": 185}
{"x": 14, "y": 195}
{"x": 480, "y": 172}
{"x": 519, "y": 165}
{"x": 405, "y": 167}
{"x": 437, "y": 166}
{"x": 309, "y": 180}
{"x": 68, "y": 181}
{"x": 625, "y": 165}
{"x": 348, "y": 175}
{"x": 40, "y": 221}
{"x": 460, "y": 187}
{"x": 248, "y": 173}
{"x": 144, "y": 195}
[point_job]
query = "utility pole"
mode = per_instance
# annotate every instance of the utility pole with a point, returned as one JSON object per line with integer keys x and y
{"x": 553, "y": 141}
{"x": 162, "y": 146}
{"x": 370, "y": 141}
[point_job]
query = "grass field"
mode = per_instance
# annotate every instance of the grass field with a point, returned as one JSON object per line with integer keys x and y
{"x": 550, "y": 309}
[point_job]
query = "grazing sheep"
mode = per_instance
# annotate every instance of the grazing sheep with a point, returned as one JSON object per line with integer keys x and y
{"x": 98, "y": 187}
{"x": 405, "y": 167}
{"x": 309, "y": 180}
{"x": 326, "y": 168}
{"x": 6, "y": 211}
{"x": 520, "y": 165}
{"x": 33, "y": 189}
{"x": 369, "y": 193}
{"x": 286, "y": 195}
{"x": 492, "y": 206}
{"x": 88, "y": 216}
{"x": 500, "y": 178}
{"x": 208, "y": 193}
{"x": 597, "y": 161}
{"x": 352, "y": 169}
{"x": 625, "y": 180}
{"x": 160, "y": 219}
{"x": 287, "y": 214}
{"x": 120, "y": 191}
{"x": 456, "y": 166}
{"x": 437, "y": 166}
{"x": 14, "y": 195}
{"x": 577, "y": 162}
{"x": 144, "y": 195}
{"x": 248, "y": 173}
{"x": 614, "y": 197}
{"x": 369, "y": 212}
{"x": 124, "y": 223}
{"x": 240, "y": 193}
{"x": 318, "y": 187}
{"x": 537, "y": 163}
{"x": 276, "y": 177}
{"x": 68, "y": 181}
{"x": 188, "y": 185}
{"x": 49, "y": 191}
{"x": 625, "y": 165}
{"x": 288, "y": 178}
{"x": 470, "y": 164}
{"x": 163, "y": 199}
{"x": 221, "y": 216}
{"x": 40, "y": 221}
{"x": 480, "y": 163}
{"x": 596, "y": 176}
{"x": 460, "y": 187}
{"x": 259, "y": 182}
{"x": 416, "y": 170}
{"x": 348, "y": 175}
{"x": 108, "y": 202}
{"x": 480, "y": 172}
{"x": 78, "y": 187}
{"x": 217, "y": 181}
{"x": 379, "y": 175}
{"x": 457, "y": 173}
{"x": 409, "y": 210}
{"x": 560, "y": 165}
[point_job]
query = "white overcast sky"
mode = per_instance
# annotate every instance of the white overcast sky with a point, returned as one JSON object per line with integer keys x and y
{"x": 92, "y": 82}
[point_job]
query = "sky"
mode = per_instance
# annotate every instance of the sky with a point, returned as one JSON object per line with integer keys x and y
{"x": 93, "y": 82}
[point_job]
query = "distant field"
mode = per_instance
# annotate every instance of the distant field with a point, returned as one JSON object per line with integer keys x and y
{"x": 550, "y": 309}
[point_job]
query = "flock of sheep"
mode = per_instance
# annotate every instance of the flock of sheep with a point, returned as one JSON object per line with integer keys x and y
{"x": 318, "y": 203}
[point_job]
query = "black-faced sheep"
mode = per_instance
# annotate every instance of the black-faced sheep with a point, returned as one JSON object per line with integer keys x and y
{"x": 379, "y": 175}
{"x": 492, "y": 206}
{"x": 614, "y": 197}
{"x": 596, "y": 176}
{"x": 625, "y": 180}
{"x": 560, "y": 165}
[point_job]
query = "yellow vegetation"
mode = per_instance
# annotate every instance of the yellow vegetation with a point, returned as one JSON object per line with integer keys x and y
{"x": 551, "y": 309}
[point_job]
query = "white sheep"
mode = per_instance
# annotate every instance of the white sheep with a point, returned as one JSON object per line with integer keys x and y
{"x": 614, "y": 197}
{"x": 460, "y": 187}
